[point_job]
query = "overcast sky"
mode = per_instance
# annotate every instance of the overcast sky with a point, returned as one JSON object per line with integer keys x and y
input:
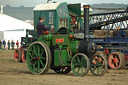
{"x": 31, "y": 3}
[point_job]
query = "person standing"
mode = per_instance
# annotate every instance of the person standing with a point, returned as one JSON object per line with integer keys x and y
{"x": 8, "y": 44}
{"x": 17, "y": 43}
{"x": 4, "y": 43}
{"x": 0, "y": 44}
{"x": 12, "y": 45}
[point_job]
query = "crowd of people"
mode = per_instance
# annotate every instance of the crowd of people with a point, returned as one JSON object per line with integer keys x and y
{"x": 9, "y": 45}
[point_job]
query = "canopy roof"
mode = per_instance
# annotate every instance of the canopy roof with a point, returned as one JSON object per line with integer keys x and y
{"x": 10, "y": 23}
{"x": 48, "y": 6}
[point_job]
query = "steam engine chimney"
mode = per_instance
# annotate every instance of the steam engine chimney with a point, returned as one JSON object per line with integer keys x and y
{"x": 86, "y": 21}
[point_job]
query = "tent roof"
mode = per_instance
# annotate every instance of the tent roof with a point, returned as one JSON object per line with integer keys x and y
{"x": 10, "y": 23}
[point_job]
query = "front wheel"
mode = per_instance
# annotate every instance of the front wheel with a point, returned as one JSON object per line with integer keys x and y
{"x": 80, "y": 64}
{"x": 98, "y": 65}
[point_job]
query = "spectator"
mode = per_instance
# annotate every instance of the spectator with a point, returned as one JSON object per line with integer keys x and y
{"x": 12, "y": 45}
{"x": 0, "y": 44}
{"x": 4, "y": 43}
{"x": 8, "y": 44}
{"x": 17, "y": 43}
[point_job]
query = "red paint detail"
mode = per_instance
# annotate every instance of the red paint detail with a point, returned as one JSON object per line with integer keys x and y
{"x": 73, "y": 20}
{"x": 115, "y": 60}
{"x": 38, "y": 58}
{"x": 70, "y": 36}
{"x": 59, "y": 40}
{"x": 112, "y": 60}
{"x": 16, "y": 55}
{"x": 46, "y": 32}
{"x": 106, "y": 51}
{"x": 34, "y": 58}
{"x": 31, "y": 39}
{"x": 23, "y": 57}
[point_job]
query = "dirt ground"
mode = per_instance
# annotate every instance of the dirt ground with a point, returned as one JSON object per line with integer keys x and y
{"x": 15, "y": 73}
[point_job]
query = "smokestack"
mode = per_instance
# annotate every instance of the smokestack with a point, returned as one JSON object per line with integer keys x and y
{"x": 86, "y": 21}
{"x": 1, "y": 9}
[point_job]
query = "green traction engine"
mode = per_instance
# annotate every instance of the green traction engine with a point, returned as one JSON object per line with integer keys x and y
{"x": 59, "y": 50}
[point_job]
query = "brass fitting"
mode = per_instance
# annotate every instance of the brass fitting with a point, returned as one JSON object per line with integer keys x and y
{"x": 86, "y": 6}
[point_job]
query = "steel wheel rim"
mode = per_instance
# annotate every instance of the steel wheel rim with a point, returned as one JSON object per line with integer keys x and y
{"x": 16, "y": 55}
{"x": 37, "y": 58}
{"x": 23, "y": 56}
{"x": 114, "y": 61}
{"x": 98, "y": 65}
{"x": 80, "y": 65}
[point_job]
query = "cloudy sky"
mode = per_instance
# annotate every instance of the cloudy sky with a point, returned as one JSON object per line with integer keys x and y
{"x": 30, "y": 3}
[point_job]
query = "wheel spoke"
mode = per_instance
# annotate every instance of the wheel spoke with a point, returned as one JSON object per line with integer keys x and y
{"x": 78, "y": 70}
{"x": 34, "y": 50}
{"x": 43, "y": 58}
{"x": 82, "y": 70}
{"x": 38, "y": 49}
{"x": 34, "y": 67}
{"x": 97, "y": 70}
{"x": 82, "y": 59}
{"x": 30, "y": 55}
{"x": 38, "y": 66}
{"x": 42, "y": 63}
{"x": 41, "y": 53}
{"x": 101, "y": 69}
{"x": 84, "y": 67}
{"x": 95, "y": 67}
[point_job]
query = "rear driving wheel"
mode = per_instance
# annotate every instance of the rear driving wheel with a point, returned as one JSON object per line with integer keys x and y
{"x": 38, "y": 57}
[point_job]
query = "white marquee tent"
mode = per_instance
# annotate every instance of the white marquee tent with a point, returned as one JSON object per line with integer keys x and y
{"x": 12, "y": 28}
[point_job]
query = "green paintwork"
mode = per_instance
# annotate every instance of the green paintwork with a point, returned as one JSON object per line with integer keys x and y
{"x": 60, "y": 12}
{"x": 75, "y": 9}
{"x": 61, "y": 57}
{"x": 56, "y": 57}
{"x": 64, "y": 38}
{"x": 65, "y": 57}
{"x": 45, "y": 38}
{"x": 73, "y": 46}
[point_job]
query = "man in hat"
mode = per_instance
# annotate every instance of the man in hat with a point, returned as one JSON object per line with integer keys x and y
{"x": 41, "y": 27}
